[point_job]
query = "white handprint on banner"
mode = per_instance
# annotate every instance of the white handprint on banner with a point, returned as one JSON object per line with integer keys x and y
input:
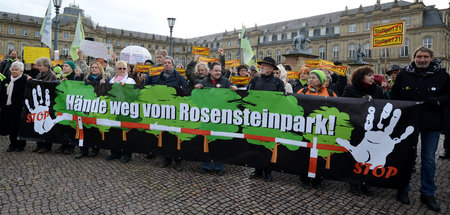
{"x": 377, "y": 145}
{"x": 43, "y": 123}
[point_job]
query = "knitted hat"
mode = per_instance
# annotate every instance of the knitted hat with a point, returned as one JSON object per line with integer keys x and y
{"x": 378, "y": 79}
{"x": 320, "y": 74}
{"x": 71, "y": 64}
{"x": 57, "y": 69}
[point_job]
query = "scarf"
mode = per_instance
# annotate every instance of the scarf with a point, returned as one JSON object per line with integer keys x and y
{"x": 118, "y": 79}
{"x": 10, "y": 88}
{"x": 64, "y": 75}
{"x": 303, "y": 82}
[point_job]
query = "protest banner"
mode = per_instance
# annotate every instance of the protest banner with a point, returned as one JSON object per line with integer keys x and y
{"x": 96, "y": 49}
{"x": 143, "y": 68}
{"x": 307, "y": 135}
{"x": 232, "y": 63}
{"x": 200, "y": 50}
{"x": 207, "y": 60}
{"x": 240, "y": 80}
{"x": 30, "y": 54}
{"x": 312, "y": 63}
{"x": 56, "y": 62}
{"x": 293, "y": 75}
{"x": 388, "y": 35}
{"x": 340, "y": 70}
{"x": 154, "y": 71}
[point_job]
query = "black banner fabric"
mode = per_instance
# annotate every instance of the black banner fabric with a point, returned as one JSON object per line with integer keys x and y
{"x": 336, "y": 138}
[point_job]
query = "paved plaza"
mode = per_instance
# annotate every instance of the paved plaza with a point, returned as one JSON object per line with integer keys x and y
{"x": 50, "y": 183}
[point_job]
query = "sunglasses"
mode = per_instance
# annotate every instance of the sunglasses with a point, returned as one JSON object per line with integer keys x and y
{"x": 122, "y": 68}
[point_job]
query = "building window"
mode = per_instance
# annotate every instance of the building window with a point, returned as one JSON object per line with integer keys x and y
{"x": 183, "y": 61}
{"x": 37, "y": 34}
{"x": 261, "y": 39}
{"x": 323, "y": 31}
{"x": 367, "y": 51}
{"x": 11, "y": 31}
{"x": 407, "y": 20}
{"x": 176, "y": 61}
{"x": 309, "y": 50}
{"x": 385, "y": 53}
{"x": 177, "y": 49}
{"x": 351, "y": 51}
{"x": 337, "y": 29}
{"x": 278, "y": 56}
{"x": 229, "y": 56}
{"x": 352, "y": 28}
{"x": 279, "y": 37}
{"x": 269, "y": 53}
{"x": 238, "y": 56}
{"x": 66, "y": 35}
{"x": 289, "y": 35}
{"x": 336, "y": 52}
{"x": 65, "y": 51}
{"x": 385, "y": 21}
{"x": 10, "y": 47}
{"x": 118, "y": 43}
{"x": 404, "y": 51}
{"x": 269, "y": 38}
{"x": 126, "y": 44}
{"x": 156, "y": 47}
{"x": 367, "y": 26}
{"x": 25, "y": 32}
{"x": 428, "y": 42}
{"x": 108, "y": 41}
{"x": 134, "y": 43}
{"x": 322, "y": 52}
{"x": 260, "y": 56}
{"x": 311, "y": 32}
{"x": 229, "y": 43}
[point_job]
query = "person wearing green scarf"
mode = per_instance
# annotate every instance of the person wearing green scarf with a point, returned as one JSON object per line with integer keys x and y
{"x": 67, "y": 71}
{"x": 6, "y": 64}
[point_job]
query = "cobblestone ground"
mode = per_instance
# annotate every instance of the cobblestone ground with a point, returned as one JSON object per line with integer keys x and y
{"x": 51, "y": 183}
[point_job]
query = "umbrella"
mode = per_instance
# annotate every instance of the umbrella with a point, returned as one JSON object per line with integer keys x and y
{"x": 135, "y": 54}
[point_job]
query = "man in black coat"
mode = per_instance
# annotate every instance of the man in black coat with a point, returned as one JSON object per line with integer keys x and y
{"x": 267, "y": 82}
{"x": 424, "y": 80}
{"x": 6, "y": 64}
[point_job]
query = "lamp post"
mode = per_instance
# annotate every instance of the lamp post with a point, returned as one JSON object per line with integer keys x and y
{"x": 57, "y": 4}
{"x": 171, "y": 24}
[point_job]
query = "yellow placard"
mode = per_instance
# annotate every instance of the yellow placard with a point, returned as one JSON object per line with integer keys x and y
{"x": 143, "y": 68}
{"x": 312, "y": 63}
{"x": 200, "y": 50}
{"x": 340, "y": 70}
{"x": 30, "y": 54}
{"x": 388, "y": 35}
{"x": 207, "y": 60}
{"x": 154, "y": 71}
{"x": 387, "y": 41}
{"x": 232, "y": 63}
{"x": 293, "y": 74}
{"x": 240, "y": 80}
{"x": 182, "y": 72}
{"x": 2, "y": 57}
{"x": 56, "y": 62}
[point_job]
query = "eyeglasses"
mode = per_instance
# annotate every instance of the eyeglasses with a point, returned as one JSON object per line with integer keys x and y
{"x": 94, "y": 67}
{"x": 122, "y": 68}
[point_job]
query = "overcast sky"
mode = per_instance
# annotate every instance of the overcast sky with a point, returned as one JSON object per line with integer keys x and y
{"x": 195, "y": 17}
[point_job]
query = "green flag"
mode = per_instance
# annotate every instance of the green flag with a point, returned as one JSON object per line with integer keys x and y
{"x": 79, "y": 36}
{"x": 46, "y": 28}
{"x": 248, "y": 56}
{"x": 2, "y": 77}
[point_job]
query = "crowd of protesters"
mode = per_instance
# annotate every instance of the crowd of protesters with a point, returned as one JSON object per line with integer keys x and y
{"x": 422, "y": 80}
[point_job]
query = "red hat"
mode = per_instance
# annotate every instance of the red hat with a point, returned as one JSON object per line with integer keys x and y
{"x": 378, "y": 79}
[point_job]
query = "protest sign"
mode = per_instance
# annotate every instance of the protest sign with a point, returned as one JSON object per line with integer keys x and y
{"x": 311, "y": 136}
{"x": 293, "y": 75}
{"x": 207, "y": 60}
{"x": 96, "y": 49}
{"x": 154, "y": 71}
{"x": 56, "y": 62}
{"x": 232, "y": 63}
{"x": 200, "y": 50}
{"x": 2, "y": 57}
{"x": 312, "y": 63}
{"x": 182, "y": 72}
{"x": 143, "y": 68}
{"x": 240, "y": 80}
{"x": 388, "y": 35}
{"x": 340, "y": 70}
{"x": 30, "y": 54}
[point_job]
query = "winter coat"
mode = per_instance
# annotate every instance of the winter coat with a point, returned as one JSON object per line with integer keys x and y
{"x": 95, "y": 80}
{"x": 10, "y": 117}
{"x": 5, "y": 65}
{"x": 297, "y": 85}
{"x": 174, "y": 80}
{"x": 195, "y": 79}
{"x": 431, "y": 85}
{"x": 321, "y": 92}
{"x": 359, "y": 91}
{"x": 220, "y": 83}
{"x": 266, "y": 83}
{"x": 338, "y": 86}
{"x": 48, "y": 76}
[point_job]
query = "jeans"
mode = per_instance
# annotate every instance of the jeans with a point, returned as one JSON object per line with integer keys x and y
{"x": 209, "y": 165}
{"x": 429, "y": 146}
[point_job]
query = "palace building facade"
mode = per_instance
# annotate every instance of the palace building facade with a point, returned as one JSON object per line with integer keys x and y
{"x": 334, "y": 36}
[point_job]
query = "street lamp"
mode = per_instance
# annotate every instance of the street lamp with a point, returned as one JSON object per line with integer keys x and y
{"x": 171, "y": 24}
{"x": 57, "y": 4}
